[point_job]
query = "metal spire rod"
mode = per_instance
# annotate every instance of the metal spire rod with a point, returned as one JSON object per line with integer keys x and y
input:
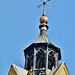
{"x": 44, "y": 3}
{"x": 47, "y": 56}
{"x": 47, "y": 59}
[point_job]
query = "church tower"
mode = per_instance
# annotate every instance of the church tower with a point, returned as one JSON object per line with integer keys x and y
{"x": 41, "y": 57}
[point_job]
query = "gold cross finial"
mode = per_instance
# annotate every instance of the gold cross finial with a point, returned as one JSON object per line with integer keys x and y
{"x": 44, "y": 3}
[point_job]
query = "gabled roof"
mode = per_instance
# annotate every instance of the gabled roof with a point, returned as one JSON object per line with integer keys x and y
{"x": 60, "y": 70}
{"x": 16, "y": 70}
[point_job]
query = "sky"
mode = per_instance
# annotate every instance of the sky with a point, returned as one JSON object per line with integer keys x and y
{"x": 19, "y": 27}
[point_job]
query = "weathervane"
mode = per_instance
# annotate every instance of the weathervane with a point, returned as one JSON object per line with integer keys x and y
{"x": 44, "y": 3}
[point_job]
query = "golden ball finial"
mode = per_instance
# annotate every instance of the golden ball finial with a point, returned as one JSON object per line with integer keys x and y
{"x": 43, "y": 19}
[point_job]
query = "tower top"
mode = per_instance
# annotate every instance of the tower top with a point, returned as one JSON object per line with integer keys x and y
{"x": 42, "y": 54}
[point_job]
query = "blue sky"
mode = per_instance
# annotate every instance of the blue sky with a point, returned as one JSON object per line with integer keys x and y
{"x": 19, "y": 27}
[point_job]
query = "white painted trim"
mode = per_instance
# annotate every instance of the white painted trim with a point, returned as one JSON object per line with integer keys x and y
{"x": 43, "y": 28}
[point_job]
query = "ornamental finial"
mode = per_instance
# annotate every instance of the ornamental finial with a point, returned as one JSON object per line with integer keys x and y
{"x": 44, "y": 3}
